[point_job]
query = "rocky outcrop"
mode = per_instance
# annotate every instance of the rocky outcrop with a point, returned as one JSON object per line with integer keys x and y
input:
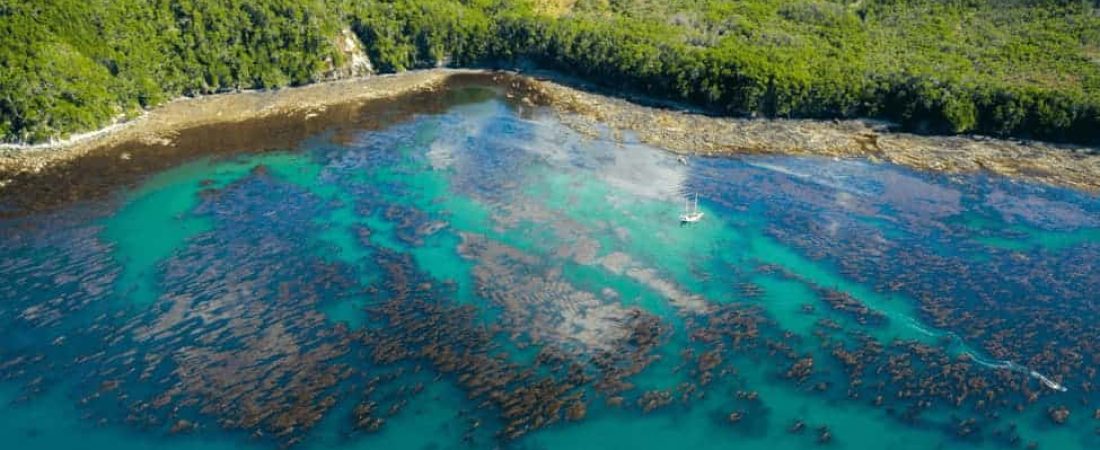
{"x": 355, "y": 62}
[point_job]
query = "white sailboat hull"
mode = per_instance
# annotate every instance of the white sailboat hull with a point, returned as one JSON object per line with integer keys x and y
{"x": 691, "y": 218}
{"x": 693, "y": 215}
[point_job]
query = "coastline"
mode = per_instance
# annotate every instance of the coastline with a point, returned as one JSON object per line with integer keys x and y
{"x": 692, "y": 133}
{"x": 152, "y": 137}
{"x": 158, "y": 126}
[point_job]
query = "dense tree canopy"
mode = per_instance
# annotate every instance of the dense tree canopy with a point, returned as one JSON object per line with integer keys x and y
{"x": 72, "y": 65}
{"x": 1028, "y": 68}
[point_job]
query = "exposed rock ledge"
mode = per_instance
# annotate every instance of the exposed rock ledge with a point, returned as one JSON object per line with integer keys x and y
{"x": 159, "y": 126}
{"x": 703, "y": 135}
{"x": 586, "y": 112}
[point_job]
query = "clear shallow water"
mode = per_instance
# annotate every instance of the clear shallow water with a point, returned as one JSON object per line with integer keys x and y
{"x": 486, "y": 277}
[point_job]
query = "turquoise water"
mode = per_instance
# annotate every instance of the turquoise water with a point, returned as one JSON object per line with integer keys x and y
{"x": 486, "y": 277}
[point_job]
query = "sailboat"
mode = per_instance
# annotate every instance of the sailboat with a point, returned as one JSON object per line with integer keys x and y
{"x": 693, "y": 215}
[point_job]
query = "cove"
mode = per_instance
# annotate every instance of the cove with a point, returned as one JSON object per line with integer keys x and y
{"x": 474, "y": 273}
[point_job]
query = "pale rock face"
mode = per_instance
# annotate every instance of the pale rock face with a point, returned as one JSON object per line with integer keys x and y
{"x": 356, "y": 63}
{"x": 359, "y": 63}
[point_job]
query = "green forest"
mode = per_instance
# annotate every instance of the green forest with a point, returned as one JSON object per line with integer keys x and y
{"x": 1020, "y": 68}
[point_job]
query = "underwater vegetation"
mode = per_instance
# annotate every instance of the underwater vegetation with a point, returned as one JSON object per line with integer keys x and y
{"x": 481, "y": 275}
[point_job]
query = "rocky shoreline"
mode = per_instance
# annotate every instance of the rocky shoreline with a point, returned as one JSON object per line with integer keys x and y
{"x": 36, "y": 177}
{"x": 160, "y": 126}
{"x": 698, "y": 134}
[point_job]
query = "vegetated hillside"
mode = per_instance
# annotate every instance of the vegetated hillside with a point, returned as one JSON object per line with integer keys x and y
{"x": 72, "y": 65}
{"x": 1028, "y": 68}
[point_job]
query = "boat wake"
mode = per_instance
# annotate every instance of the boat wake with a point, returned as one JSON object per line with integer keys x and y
{"x": 1009, "y": 365}
{"x": 957, "y": 341}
